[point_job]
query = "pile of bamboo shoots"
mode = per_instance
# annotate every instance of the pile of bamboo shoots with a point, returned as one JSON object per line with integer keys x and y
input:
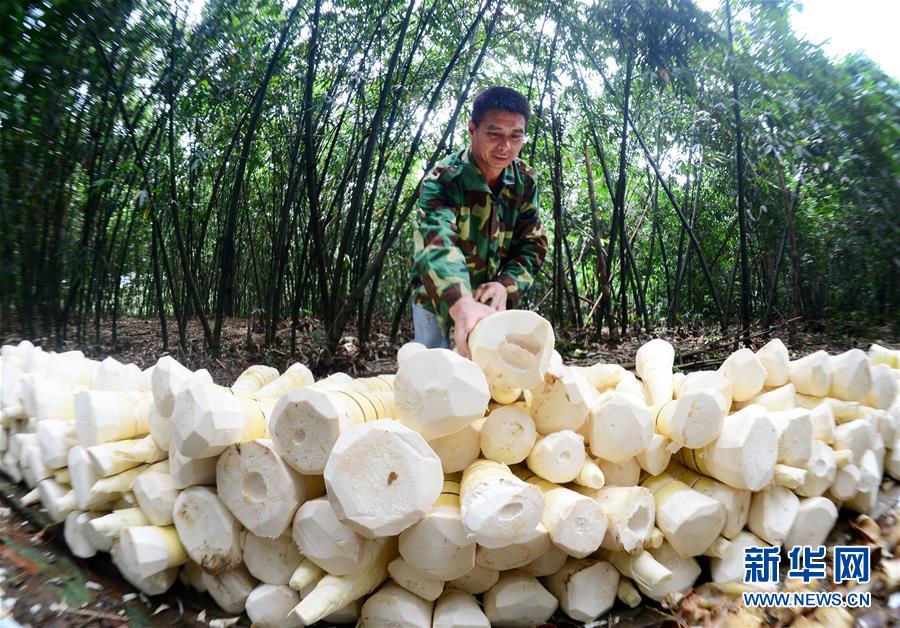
{"x": 400, "y": 499}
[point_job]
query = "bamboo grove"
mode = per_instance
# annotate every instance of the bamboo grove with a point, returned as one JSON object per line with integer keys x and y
{"x": 203, "y": 160}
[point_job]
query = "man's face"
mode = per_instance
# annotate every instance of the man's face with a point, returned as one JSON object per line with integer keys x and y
{"x": 497, "y": 140}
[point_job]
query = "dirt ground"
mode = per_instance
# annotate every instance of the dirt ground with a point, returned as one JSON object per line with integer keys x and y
{"x": 697, "y": 346}
{"x": 42, "y": 584}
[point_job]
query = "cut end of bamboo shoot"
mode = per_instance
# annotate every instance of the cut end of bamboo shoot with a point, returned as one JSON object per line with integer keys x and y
{"x": 258, "y": 487}
{"x": 513, "y": 348}
{"x": 382, "y": 477}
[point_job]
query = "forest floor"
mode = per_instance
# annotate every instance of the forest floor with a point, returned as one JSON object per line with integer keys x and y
{"x": 41, "y": 584}
{"x": 697, "y": 346}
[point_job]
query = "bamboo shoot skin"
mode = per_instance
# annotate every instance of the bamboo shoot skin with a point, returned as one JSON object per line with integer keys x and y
{"x": 394, "y": 606}
{"x": 815, "y": 518}
{"x": 230, "y": 589}
{"x": 585, "y": 588}
{"x": 518, "y": 599}
{"x": 746, "y": 374}
{"x": 458, "y": 609}
{"x": 324, "y": 540}
{"x": 437, "y": 392}
{"x": 514, "y": 555}
{"x": 416, "y": 582}
{"x": 269, "y": 606}
{"x": 477, "y": 581}
{"x": 271, "y": 561}
{"x": 149, "y": 550}
{"x": 209, "y": 532}
{"x": 619, "y": 428}
{"x": 811, "y": 374}
{"x": 685, "y": 571}
{"x": 775, "y": 360}
{"x": 439, "y": 544}
{"x": 460, "y": 449}
{"x": 653, "y": 364}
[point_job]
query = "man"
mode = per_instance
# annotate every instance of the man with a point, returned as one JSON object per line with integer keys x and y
{"x": 479, "y": 241}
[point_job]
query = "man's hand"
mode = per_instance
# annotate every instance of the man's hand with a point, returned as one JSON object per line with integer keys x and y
{"x": 466, "y": 313}
{"x": 492, "y": 291}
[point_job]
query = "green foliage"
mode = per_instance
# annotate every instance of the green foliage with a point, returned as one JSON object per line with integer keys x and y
{"x": 93, "y": 158}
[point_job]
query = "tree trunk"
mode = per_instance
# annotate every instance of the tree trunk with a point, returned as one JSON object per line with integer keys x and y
{"x": 789, "y": 204}
{"x": 599, "y": 252}
{"x": 619, "y": 201}
{"x": 343, "y": 315}
{"x": 742, "y": 210}
{"x": 693, "y": 237}
{"x": 359, "y": 187}
{"x": 436, "y": 93}
{"x": 157, "y": 279}
{"x": 226, "y": 258}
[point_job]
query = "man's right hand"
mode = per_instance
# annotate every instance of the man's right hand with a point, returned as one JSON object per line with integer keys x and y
{"x": 466, "y": 313}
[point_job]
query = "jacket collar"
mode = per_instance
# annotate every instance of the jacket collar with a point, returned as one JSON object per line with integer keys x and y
{"x": 507, "y": 177}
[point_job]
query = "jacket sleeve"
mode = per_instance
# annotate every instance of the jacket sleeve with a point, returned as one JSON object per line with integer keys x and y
{"x": 527, "y": 250}
{"x": 439, "y": 262}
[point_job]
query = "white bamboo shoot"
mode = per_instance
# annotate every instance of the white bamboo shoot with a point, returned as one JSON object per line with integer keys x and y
{"x": 382, "y": 477}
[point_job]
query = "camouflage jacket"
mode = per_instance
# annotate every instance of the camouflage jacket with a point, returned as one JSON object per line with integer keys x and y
{"x": 466, "y": 235}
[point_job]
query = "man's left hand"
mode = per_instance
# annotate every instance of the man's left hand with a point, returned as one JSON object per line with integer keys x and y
{"x": 492, "y": 291}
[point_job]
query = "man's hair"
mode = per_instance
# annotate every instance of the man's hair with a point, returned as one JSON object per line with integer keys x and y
{"x": 499, "y": 97}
